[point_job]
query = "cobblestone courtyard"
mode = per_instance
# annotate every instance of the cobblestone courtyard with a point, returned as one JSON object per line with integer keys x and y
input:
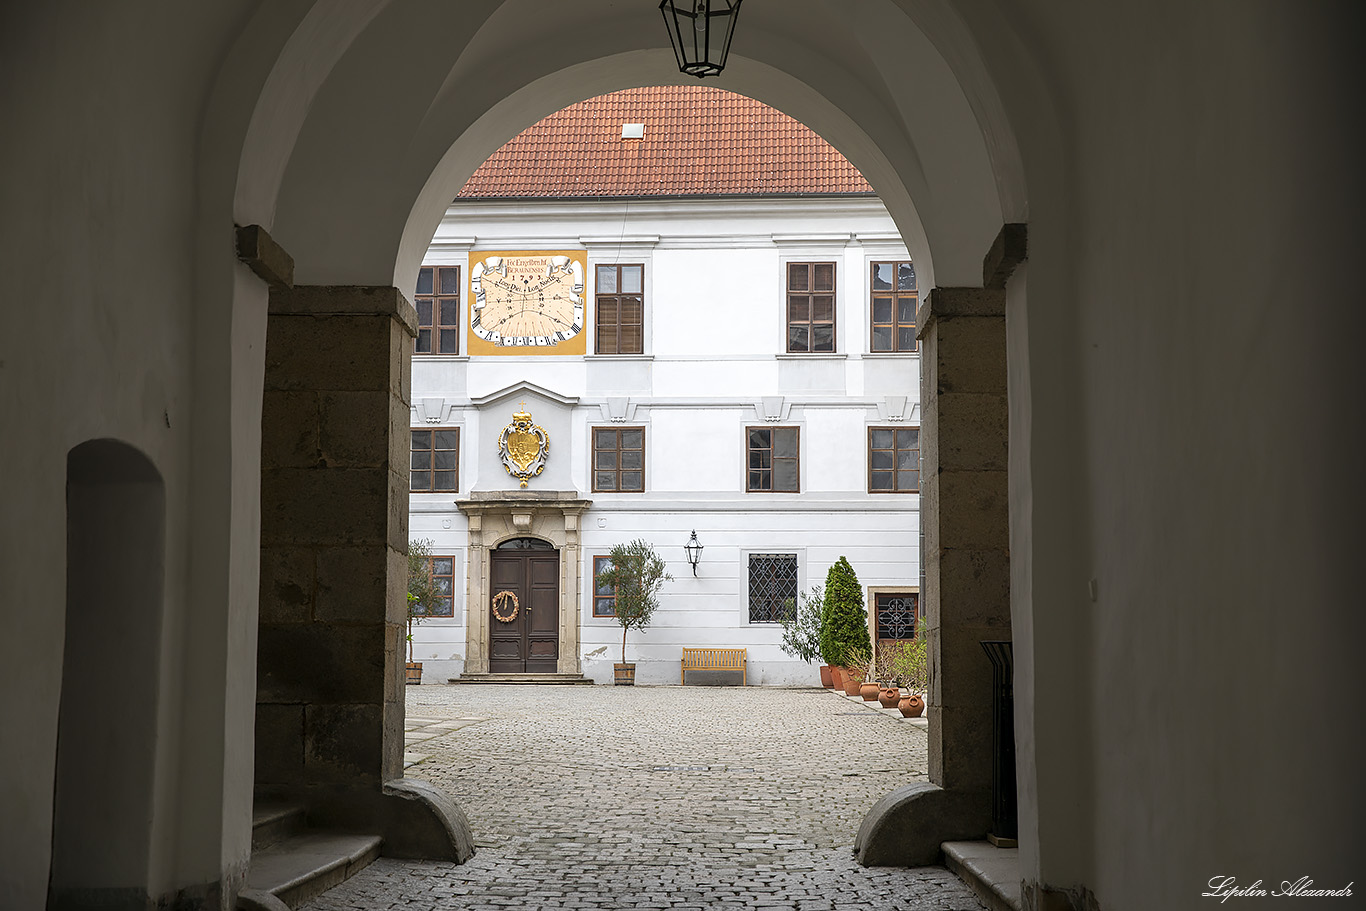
{"x": 655, "y": 798}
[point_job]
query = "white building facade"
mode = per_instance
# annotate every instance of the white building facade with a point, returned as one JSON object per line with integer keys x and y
{"x": 719, "y": 418}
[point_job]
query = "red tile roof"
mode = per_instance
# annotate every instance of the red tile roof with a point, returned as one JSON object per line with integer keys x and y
{"x": 699, "y": 141}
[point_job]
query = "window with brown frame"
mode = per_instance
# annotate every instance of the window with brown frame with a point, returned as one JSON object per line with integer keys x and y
{"x": 894, "y": 300}
{"x": 893, "y": 459}
{"x": 810, "y": 307}
{"x": 434, "y": 460}
{"x": 604, "y": 596}
{"x": 620, "y": 313}
{"x": 443, "y": 581}
{"x": 438, "y": 310}
{"x": 618, "y": 459}
{"x": 773, "y": 459}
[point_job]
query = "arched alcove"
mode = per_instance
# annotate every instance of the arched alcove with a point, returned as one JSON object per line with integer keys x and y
{"x": 106, "y": 741}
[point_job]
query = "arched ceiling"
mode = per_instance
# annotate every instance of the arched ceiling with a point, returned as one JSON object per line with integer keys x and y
{"x": 386, "y": 110}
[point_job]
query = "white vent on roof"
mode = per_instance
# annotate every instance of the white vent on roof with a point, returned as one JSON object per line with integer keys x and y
{"x": 633, "y": 131}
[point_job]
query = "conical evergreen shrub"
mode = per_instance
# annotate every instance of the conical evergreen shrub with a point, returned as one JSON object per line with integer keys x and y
{"x": 844, "y": 623}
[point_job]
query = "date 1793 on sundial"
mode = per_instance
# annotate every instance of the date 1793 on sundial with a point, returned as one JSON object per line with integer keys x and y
{"x": 527, "y": 302}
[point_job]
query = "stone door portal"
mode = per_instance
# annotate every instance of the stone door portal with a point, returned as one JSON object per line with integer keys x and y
{"x": 525, "y": 576}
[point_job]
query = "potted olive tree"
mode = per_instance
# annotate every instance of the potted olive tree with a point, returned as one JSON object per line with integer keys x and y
{"x": 911, "y": 664}
{"x": 801, "y": 622}
{"x": 422, "y": 594}
{"x": 635, "y": 574}
{"x": 844, "y": 626}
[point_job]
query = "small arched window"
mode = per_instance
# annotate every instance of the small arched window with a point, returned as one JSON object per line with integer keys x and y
{"x": 525, "y": 544}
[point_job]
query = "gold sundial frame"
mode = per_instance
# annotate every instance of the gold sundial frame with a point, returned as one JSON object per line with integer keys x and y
{"x": 523, "y": 447}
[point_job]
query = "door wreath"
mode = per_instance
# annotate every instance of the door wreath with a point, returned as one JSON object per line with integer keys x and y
{"x": 500, "y": 602}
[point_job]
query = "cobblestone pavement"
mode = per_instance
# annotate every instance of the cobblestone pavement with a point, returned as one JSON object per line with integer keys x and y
{"x": 687, "y": 799}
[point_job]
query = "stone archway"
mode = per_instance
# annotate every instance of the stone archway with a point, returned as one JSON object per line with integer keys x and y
{"x": 376, "y": 246}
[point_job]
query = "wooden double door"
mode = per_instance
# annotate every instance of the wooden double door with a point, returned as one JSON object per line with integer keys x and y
{"x": 529, "y": 643}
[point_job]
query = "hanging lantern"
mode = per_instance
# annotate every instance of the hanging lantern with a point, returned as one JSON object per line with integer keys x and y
{"x": 700, "y": 31}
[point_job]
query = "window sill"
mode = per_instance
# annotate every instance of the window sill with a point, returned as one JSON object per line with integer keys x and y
{"x": 889, "y": 355}
{"x": 618, "y": 357}
{"x": 812, "y": 356}
{"x": 442, "y": 358}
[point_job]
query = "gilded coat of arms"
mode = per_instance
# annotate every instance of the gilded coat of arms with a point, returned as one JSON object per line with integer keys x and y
{"x": 523, "y": 446}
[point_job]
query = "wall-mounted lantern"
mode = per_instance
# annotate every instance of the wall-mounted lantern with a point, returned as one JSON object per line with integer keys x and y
{"x": 700, "y": 32}
{"x": 694, "y": 551}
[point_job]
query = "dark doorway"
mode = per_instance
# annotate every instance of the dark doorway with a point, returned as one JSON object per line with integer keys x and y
{"x": 524, "y": 608}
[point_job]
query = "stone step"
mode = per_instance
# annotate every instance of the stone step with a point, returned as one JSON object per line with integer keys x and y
{"x": 524, "y": 679}
{"x": 305, "y": 865}
{"x": 991, "y": 872}
{"x": 273, "y": 821}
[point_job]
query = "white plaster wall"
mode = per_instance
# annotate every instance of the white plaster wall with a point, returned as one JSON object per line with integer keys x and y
{"x": 715, "y": 308}
{"x": 100, "y": 109}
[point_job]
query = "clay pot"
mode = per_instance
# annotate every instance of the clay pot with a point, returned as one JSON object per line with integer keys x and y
{"x": 826, "y": 680}
{"x": 888, "y": 697}
{"x": 911, "y": 706}
{"x": 852, "y": 682}
{"x": 837, "y": 678}
{"x": 869, "y": 692}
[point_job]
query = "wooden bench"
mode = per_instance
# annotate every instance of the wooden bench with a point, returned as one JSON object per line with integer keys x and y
{"x": 714, "y": 659}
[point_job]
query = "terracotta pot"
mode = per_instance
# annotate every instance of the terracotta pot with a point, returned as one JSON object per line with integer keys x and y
{"x": 837, "y": 678}
{"x": 826, "y": 680}
{"x": 414, "y": 675}
{"x": 852, "y": 682}
{"x": 625, "y": 674}
{"x": 911, "y": 706}
{"x": 869, "y": 692}
{"x": 888, "y": 697}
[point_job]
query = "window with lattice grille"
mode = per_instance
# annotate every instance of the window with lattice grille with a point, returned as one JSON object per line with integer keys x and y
{"x": 897, "y": 614}
{"x": 772, "y": 586}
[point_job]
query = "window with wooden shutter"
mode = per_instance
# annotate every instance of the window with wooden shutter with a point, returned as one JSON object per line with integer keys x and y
{"x": 620, "y": 313}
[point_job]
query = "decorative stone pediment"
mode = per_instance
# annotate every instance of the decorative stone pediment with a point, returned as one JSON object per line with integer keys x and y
{"x": 522, "y": 389}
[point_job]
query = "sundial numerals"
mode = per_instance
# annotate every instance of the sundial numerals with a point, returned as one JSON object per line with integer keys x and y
{"x": 527, "y": 300}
